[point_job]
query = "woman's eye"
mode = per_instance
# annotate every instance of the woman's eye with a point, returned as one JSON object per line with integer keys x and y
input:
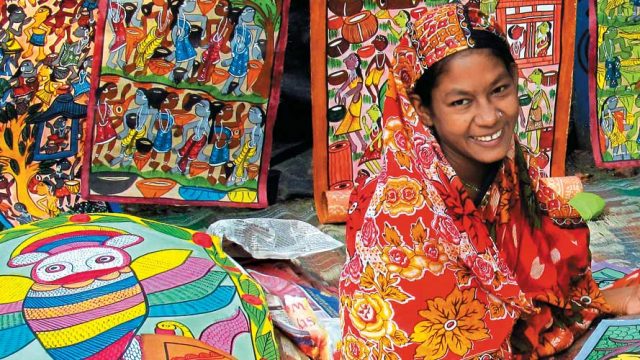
{"x": 460, "y": 102}
{"x": 500, "y": 89}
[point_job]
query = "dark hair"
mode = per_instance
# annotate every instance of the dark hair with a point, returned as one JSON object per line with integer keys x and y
{"x": 155, "y": 97}
{"x": 174, "y": 7}
{"x": 263, "y": 115}
{"x": 482, "y": 40}
{"x": 215, "y": 108}
{"x": 101, "y": 89}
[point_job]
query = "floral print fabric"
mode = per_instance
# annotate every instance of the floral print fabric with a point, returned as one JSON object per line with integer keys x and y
{"x": 429, "y": 275}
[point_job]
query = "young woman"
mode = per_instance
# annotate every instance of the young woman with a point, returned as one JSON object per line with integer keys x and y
{"x": 450, "y": 254}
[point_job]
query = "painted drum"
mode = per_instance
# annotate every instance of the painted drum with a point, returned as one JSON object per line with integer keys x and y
{"x": 360, "y": 27}
{"x": 345, "y": 7}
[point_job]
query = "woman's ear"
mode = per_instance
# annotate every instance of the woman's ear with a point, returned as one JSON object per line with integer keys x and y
{"x": 423, "y": 112}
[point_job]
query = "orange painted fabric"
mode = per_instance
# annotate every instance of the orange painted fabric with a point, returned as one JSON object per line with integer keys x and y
{"x": 430, "y": 275}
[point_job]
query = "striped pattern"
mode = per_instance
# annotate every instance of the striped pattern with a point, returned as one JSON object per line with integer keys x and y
{"x": 102, "y": 319}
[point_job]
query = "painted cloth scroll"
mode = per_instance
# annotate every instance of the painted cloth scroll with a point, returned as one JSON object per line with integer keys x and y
{"x": 105, "y": 286}
{"x": 45, "y": 65}
{"x": 186, "y": 93}
{"x": 349, "y": 83}
{"x": 614, "y": 61}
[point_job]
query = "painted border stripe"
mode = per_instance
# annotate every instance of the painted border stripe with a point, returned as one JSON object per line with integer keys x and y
{"x": 65, "y": 321}
{"x": 79, "y": 333}
{"x": 54, "y": 312}
{"x": 54, "y": 301}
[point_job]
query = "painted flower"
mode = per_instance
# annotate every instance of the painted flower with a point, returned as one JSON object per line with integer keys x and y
{"x": 425, "y": 153}
{"x": 404, "y": 262}
{"x": 354, "y": 268}
{"x": 447, "y": 227}
{"x": 371, "y": 315}
{"x": 434, "y": 255}
{"x": 354, "y": 348}
{"x": 483, "y": 270}
{"x": 396, "y": 136}
{"x": 402, "y": 196}
{"x": 450, "y": 324}
{"x": 369, "y": 232}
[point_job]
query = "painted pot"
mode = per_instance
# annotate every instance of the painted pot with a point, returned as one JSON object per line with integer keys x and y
{"x": 161, "y": 53}
{"x": 338, "y": 78}
{"x": 252, "y": 171}
{"x": 397, "y": 4}
{"x": 524, "y": 99}
{"x": 345, "y": 7}
{"x": 336, "y": 113}
{"x": 253, "y": 70}
{"x": 155, "y": 187}
{"x": 141, "y": 159}
{"x": 143, "y": 145}
{"x": 111, "y": 182}
{"x": 366, "y": 51}
{"x": 134, "y": 36}
{"x": 160, "y": 66}
{"x": 201, "y": 194}
{"x": 129, "y": 9}
{"x": 197, "y": 168}
{"x": 218, "y": 76}
{"x": 179, "y": 74}
{"x": 550, "y": 78}
{"x": 205, "y": 6}
{"x": 195, "y": 36}
{"x": 360, "y": 27}
{"x": 337, "y": 47}
{"x": 243, "y": 196}
{"x": 334, "y": 23}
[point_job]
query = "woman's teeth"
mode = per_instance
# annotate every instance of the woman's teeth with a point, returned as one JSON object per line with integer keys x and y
{"x": 490, "y": 137}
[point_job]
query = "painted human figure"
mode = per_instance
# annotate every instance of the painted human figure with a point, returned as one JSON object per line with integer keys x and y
{"x": 135, "y": 126}
{"x": 59, "y": 138}
{"x": 543, "y": 39}
{"x": 243, "y": 45}
{"x": 10, "y": 33}
{"x": 105, "y": 128}
{"x": 47, "y": 86}
{"x": 116, "y": 19}
{"x": 72, "y": 52}
{"x": 25, "y": 83}
{"x": 220, "y": 136}
{"x": 59, "y": 179}
{"x": 155, "y": 35}
{"x": 5, "y": 188}
{"x": 516, "y": 35}
{"x": 180, "y": 30}
{"x": 59, "y": 22}
{"x": 614, "y": 125}
{"x": 352, "y": 90}
{"x": 373, "y": 151}
{"x": 612, "y": 50}
{"x": 377, "y": 67}
{"x": 217, "y": 40}
{"x": 36, "y": 32}
{"x": 540, "y": 106}
{"x": 400, "y": 21}
{"x": 190, "y": 148}
{"x": 5, "y": 63}
{"x": 250, "y": 146}
{"x": 162, "y": 139}
{"x": 636, "y": 10}
{"x": 20, "y": 214}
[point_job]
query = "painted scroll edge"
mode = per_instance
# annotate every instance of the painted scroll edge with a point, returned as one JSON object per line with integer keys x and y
{"x": 318, "y": 10}
{"x": 272, "y": 111}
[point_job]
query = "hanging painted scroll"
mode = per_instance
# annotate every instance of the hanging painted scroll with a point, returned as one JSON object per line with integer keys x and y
{"x": 614, "y": 62}
{"x": 358, "y": 38}
{"x": 45, "y": 65}
{"x": 186, "y": 96}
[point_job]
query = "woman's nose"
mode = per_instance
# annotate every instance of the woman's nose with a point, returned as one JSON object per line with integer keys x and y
{"x": 487, "y": 114}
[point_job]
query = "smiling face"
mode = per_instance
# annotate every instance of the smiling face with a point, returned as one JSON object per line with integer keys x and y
{"x": 474, "y": 110}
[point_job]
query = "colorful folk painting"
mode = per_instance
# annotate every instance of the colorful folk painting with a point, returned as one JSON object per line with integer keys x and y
{"x": 613, "y": 340}
{"x": 46, "y": 50}
{"x": 108, "y": 286}
{"x": 362, "y": 38}
{"x": 614, "y": 61}
{"x": 186, "y": 93}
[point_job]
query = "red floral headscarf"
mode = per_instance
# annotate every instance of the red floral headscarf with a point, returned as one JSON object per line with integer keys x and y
{"x": 430, "y": 275}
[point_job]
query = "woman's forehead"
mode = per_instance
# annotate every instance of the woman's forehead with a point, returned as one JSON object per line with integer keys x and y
{"x": 471, "y": 68}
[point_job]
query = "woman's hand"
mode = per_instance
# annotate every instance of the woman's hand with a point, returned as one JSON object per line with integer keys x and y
{"x": 623, "y": 301}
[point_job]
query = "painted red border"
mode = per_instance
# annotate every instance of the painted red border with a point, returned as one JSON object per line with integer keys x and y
{"x": 272, "y": 111}
{"x": 594, "y": 128}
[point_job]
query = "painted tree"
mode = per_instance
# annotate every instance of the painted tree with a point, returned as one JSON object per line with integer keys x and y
{"x": 16, "y": 157}
{"x": 268, "y": 17}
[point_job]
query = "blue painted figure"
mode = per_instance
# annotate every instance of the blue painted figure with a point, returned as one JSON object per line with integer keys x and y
{"x": 242, "y": 43}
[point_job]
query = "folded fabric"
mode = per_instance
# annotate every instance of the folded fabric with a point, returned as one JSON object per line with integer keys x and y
{"x": 588, "y": 205}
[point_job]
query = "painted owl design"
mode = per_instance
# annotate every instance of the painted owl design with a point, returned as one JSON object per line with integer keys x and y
{"x": 86, "y": 298}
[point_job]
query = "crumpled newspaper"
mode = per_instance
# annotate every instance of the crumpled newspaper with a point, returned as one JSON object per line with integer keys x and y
{"x": 274, "y": 238}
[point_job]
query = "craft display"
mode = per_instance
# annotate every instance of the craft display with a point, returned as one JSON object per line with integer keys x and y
{"x": 106, "y": 286}
{"x": 355, "y": 43}
{"x": 46, "y": 50}
{"x": 186, "y": 94}
{"x": 613, "y": 83}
